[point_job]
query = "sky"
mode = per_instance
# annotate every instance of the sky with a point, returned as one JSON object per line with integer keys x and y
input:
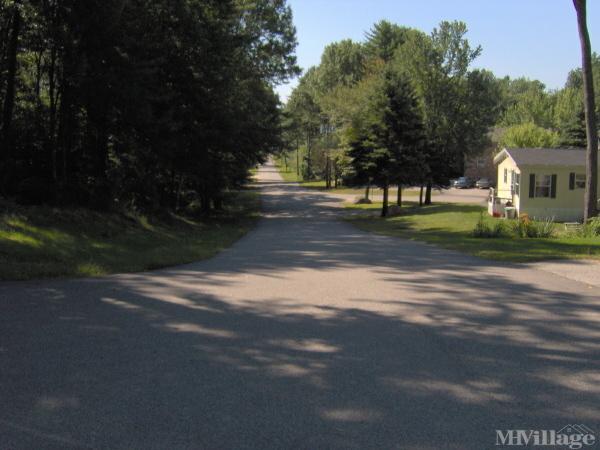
{"x": 536, "y": 39}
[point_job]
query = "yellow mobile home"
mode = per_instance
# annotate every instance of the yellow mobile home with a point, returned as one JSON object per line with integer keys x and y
{"x": 541, "y": 182}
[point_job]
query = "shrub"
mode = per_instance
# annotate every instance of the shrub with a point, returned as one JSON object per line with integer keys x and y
{"x": 483, "y": 229}
{"x": 524, "y": 227}
{"x": 519, "y": 227}
{"x": 545, "y": 228}
{"x": 591, "y": 228}
{"x": 499, "y": 229}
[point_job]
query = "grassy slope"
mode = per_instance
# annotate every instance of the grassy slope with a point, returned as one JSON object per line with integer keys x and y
{"x": 41, "y": 242}
{"x": 451, "y": 226}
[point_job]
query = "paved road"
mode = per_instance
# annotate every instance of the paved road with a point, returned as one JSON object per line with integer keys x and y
{"x": 452, "y": 195}
{"x": 305, "y": 334}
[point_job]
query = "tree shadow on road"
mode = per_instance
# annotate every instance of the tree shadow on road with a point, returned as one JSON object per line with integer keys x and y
{"x": 456, "y": 348}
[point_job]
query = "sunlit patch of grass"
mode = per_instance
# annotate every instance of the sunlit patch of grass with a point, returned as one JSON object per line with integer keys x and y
{"x": 20, "y": 238}
{"x": 90, "y": 269}
{"x": 451, "y": 226}
{"x": 41, "y": 242}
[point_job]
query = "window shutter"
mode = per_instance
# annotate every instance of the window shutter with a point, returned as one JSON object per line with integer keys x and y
{"x": 553, "y": 186}
{"x": 572, "y": 181}
{"x": 531, "y": 185}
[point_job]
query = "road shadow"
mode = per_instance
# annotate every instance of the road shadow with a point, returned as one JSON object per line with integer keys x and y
{"x": 450, "y": 349}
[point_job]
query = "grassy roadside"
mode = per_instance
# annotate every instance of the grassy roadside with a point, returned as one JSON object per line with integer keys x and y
{"x": 451, "y": 226}
{"x": 43, "y": 242}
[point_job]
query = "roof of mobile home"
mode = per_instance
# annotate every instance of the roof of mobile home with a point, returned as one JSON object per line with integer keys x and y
{"x": 543, "y": 156}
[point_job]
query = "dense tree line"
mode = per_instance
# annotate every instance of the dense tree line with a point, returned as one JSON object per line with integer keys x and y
{"x": 458, "y": 106}
{"x": 534, "y": 116}
{"x": 139, "y": 103}
{"x": 455, "y": 106}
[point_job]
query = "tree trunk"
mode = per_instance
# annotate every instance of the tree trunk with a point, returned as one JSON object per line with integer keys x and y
{"x": 65, "y": 129}
{"x": 367, "y": 190}
{"x": 52, "y": 93}
{"x": 297, "y": 158}
{"x": 335, "y": 175}
{"x": 591, "y": 180}
{"x": 308, "y": 155}
{"x": 178, "y": 194}
{"x": 97, "y": 147}
{"x": 399, "y": 199}
{"x": 421, "y": 196}
{"x": 428, "y": 193}
{"x": 385, "y": 206}
{"x": 38, "y": 77}
{"x": 205, "y": 203}
{"x": 9, "y": 99}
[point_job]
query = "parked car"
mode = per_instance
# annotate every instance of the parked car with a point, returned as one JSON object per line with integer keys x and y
{"x": 484, "y": 183}
{"x": 463, "y": 183}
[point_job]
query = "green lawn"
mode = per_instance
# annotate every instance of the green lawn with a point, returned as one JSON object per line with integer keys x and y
{"x": 42, "y": 242}
{"x": 451, "y": 226}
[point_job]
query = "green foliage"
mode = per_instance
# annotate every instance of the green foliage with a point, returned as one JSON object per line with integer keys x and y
{"x": 40, "y": 241}
{"x": 145, "y": 104}
{"x": 384, "y": 38}
{"x": 388, "y": 141}
{"x": 524, "y": 227}
{"x": 459, "y": 104}
{"x": 342, "y": 64}
{"x": 575, "y": 79}
{"x": 569, "y": 117}
{"x": 591, "y": 228}
{"x": 388, "y": 138}
{"x": 545, "y": 229}
{"x": 526, "y": 101}
{"x": 451, "y": 226}
{"x": 529, "y": 135}
{"x": 485, "y": 229}
{"x": 482, "y": 228}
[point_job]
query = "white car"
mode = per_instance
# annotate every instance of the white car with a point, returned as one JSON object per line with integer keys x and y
{"x": 483, "y": 183}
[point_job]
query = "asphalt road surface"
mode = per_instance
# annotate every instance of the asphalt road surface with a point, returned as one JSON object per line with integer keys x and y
{"x": 452, "y": 195}
{"x": 306, "y": 334}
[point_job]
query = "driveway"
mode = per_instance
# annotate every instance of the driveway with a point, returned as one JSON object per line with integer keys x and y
{"x": 307, "y": 333}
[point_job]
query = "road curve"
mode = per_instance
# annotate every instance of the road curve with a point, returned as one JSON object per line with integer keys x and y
{"x": 307, "y": 333}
